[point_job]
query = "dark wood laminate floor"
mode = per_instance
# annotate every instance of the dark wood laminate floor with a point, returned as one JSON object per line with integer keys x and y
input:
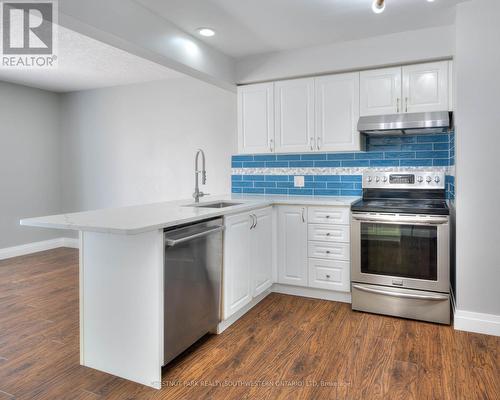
{"x": 285, "y": 348}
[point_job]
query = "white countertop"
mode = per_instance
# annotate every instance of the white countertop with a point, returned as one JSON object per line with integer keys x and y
{"x": 142, "y": 218}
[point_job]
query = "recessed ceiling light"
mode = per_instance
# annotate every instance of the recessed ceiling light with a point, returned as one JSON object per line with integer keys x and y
{"x": 207, "y": 32}
{"x": 430, "y": 1}
{"x": 378, "y": 6}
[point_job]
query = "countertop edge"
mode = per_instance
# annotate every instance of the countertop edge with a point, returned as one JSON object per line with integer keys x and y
{"x": 251, "y": 203}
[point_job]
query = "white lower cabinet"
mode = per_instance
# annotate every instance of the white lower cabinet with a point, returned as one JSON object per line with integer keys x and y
{"x": 292, "y": 245}
{"x": 248, "y": 258}
{"x": 329, "y": 274}
{"x": 329, "y": 250}
{"x": 312, "y": 251}
{"x": 261, "y": 255}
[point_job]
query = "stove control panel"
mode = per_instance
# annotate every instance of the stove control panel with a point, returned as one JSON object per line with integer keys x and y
{"x": 404, "y": 180}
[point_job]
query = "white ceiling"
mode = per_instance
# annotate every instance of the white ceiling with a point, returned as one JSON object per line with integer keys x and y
{"x": 85, "y": 63}
{"x": 246, "y": 27}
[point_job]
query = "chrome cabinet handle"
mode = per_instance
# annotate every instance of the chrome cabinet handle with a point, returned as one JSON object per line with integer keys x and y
{"x": 254, "y": 221}
{"x": 271, "y": 145}
{"x": 406, "y": 101}
{"x": 397, "y": 106}
{"x": 303, "y": 215}
{"x": 318, "y": 143}
{"x": 400, "y": 295}
{"x": 311, "y": 143}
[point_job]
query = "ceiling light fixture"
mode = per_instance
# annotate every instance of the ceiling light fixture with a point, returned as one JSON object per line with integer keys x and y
{"x": 207, "y": 32}
{"x": 378, "y": 6}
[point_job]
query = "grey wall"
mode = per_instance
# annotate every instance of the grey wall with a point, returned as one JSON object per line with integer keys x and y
{"x": 477, "y": 142}
{"x": 29, "y": 162}
{"x": 136, "y": 144}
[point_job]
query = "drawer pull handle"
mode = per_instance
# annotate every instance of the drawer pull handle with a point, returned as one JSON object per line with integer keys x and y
{"x": 328, "y": 234}
{"x": 327, "y": 216}
{"x": 328, "y": 276}
{"x": 328, "y": 252}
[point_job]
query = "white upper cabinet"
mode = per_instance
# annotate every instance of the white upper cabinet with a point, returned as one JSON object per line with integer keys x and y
{"x": 337, "y": 112}
{"x": 408, "y": 89}
{"x": 321, "y": 114}
{"x": 256, "y": 118}
{"x": 425, "y": 87}
{"x": 294, "y": 115}
{"x": 261, "y": 252}
{"x": 292, "y": 245}
{"x": 380, "y": 91}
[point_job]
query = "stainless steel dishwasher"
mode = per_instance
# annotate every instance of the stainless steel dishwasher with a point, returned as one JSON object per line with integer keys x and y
{"x": 193, "y": 276}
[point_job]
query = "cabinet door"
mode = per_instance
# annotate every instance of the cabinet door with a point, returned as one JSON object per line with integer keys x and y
{"x": 337, "y": 113}
{"x": 380, "y": 91}
{"x": 292, "y": 245}
{"x": 425, "y": 87}
{"x": 256, "y": 118}
{"x": 294, "y": 112}
{"x": 261, "y": 252}
{"x": 236, "y": 276}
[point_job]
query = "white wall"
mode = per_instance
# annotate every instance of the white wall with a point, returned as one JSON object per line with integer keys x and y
{"x": 478, "y": 142}
{"x": 29, "y": 162}
{"x": 136, "y": 144}
{"x": 394, "y": 49}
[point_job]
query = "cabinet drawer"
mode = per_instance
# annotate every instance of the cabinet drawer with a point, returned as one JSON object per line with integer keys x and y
{"x": 327, "y": 274}
{"x": 331, "y": 251}
{"x": 328, "y": 215}
{"x": 329, "y": 233}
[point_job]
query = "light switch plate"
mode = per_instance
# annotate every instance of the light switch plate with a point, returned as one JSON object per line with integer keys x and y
{"x": 298, "y": 181}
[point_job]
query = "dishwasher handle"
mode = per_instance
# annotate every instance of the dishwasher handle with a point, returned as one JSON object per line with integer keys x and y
{"x": 175, "y": 242}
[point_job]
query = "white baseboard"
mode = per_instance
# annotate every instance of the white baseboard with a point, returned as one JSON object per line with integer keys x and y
{"x": 72, "y": 243}
{"x": 238, "y": 314}
{"x": 488, "y": 324}
{"x": 35, "y": 247}
{"x": 322, "y": 294}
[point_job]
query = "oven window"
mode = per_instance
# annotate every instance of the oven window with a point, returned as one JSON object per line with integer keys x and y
{"x": 407, "y": 251}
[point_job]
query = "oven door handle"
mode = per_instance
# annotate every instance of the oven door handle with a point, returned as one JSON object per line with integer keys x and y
{"x": 401, "y": 295}
{"x": 399, "y": 220}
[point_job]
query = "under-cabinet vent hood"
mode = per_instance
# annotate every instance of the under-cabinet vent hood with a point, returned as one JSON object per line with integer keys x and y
{"x": 406, "y": 124}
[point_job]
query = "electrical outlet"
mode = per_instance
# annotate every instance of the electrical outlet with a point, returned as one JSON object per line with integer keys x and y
{"x": 298, "y": 181}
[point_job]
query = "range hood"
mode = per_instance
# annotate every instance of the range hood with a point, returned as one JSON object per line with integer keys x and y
{"x": 406, "y": 124}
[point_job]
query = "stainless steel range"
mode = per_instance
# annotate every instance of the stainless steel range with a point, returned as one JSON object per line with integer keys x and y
{"x": 400, "y": 246}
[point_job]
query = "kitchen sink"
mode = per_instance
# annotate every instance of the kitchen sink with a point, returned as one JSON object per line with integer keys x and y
{"x": 219, "y": 204}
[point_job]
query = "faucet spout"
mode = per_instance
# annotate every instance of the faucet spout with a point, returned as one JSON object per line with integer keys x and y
{"x": 197, "y": 194}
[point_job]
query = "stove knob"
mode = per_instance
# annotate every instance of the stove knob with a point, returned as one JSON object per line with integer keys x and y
{"x": 384, "y": 179}
{"x": 369, "y": 179}
{"x": 428, "y": 179}
{"x": 420, "y": 179}
{"x": 436, "y": 179}
{"x": 377, "y": 179}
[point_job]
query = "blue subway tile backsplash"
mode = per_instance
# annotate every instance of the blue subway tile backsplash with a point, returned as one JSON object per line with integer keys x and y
{"x": 392, "y": 151}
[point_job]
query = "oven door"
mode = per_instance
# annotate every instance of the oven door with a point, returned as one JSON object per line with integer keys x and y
{"x": 410, "y": 251}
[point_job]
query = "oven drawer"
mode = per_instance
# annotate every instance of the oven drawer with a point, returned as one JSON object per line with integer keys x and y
{"x": 330, "y": 251}
{"x": 329, "y": 233}
{"x": 329, "y": 274}
{"x": 399, "y": 302}
{"x": 328, "y": 215}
